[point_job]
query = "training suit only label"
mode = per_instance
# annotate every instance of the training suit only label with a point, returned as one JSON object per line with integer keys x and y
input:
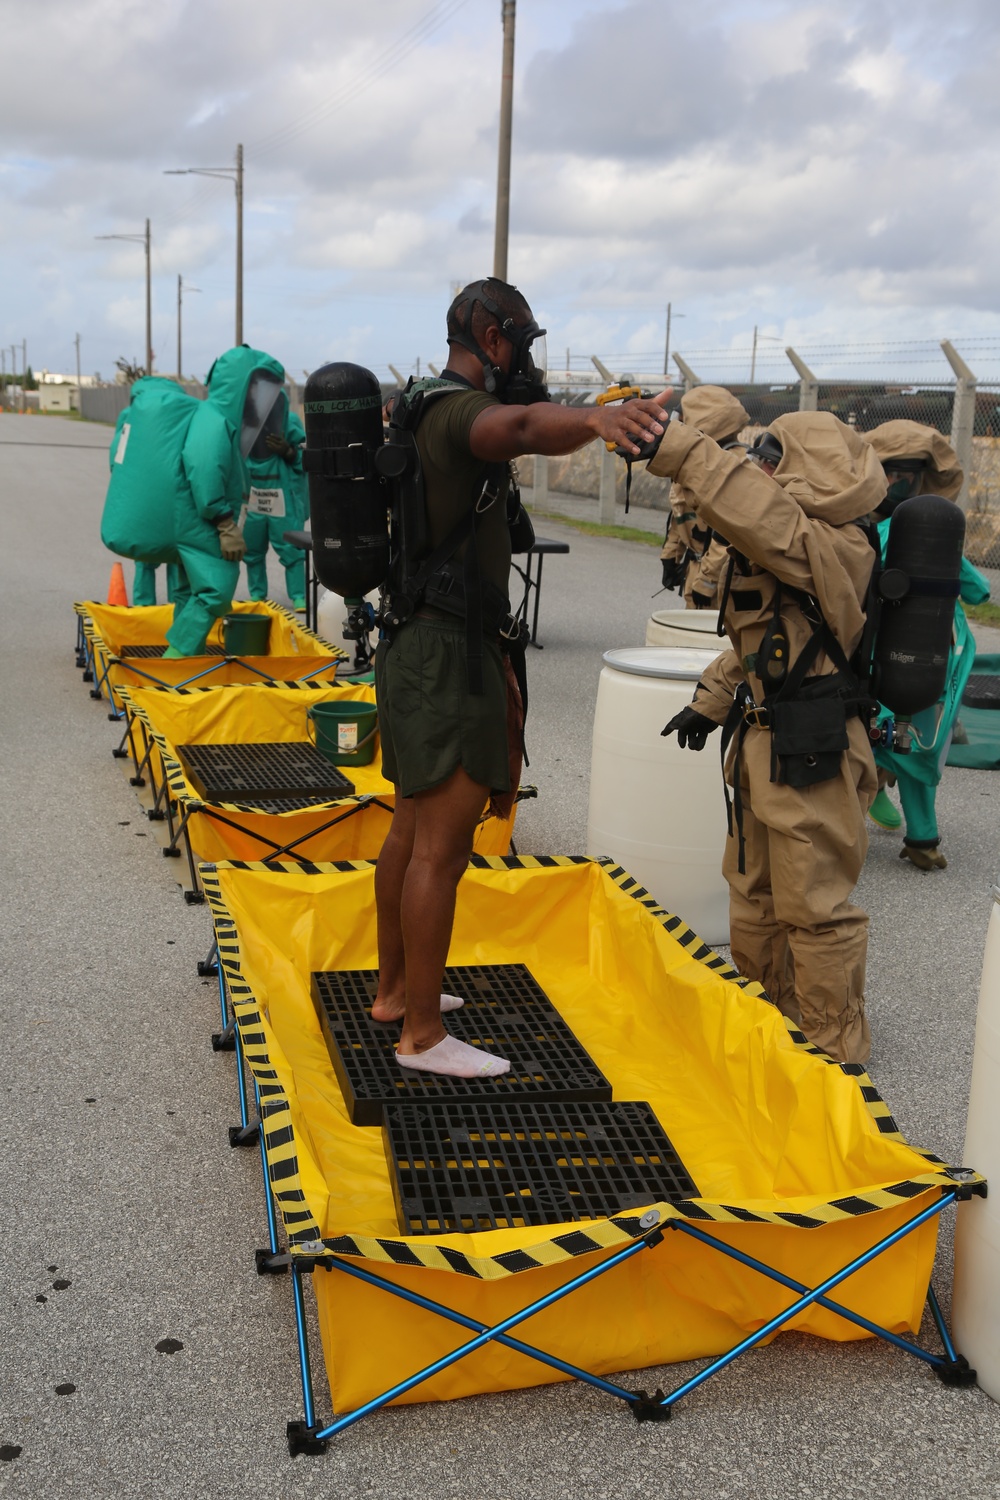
{"x": 266, "y": 503}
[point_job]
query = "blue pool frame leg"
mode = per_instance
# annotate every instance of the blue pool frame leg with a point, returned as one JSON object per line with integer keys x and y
{"x": 806, "y": 1300}
{"x": 269, "y": 1261}
{"x": 306, "y": 1437}
{"x": 937, "y": 1362}
{"x": 247, "y": 1132}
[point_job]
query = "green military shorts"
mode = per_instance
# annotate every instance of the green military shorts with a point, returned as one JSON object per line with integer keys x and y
{"x": 429, "y": 722}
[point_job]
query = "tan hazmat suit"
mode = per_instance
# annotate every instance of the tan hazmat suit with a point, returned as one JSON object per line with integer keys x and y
{"x": 718, "y": 414}
{"x": 793, "y": 926}
{"x": 905, "y": 439}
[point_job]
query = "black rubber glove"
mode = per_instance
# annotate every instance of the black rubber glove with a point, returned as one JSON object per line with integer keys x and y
{"x": 673, "y": 572}
{"x": 277, "y": 444}
{"x": 700, "y": 601}
{"x": 693, "y": 729}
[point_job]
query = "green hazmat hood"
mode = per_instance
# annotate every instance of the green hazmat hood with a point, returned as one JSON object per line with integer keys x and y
{"x": 248, "y": 387}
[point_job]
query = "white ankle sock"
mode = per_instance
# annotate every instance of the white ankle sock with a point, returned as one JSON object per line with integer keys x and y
{"x": 451, "y": 1002}
{"x": 456, "y": 1059}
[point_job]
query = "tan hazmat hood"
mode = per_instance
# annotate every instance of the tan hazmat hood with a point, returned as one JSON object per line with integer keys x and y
{"x": 714, "y": 411}
{"x": 905, "y": 439}
{"x": 830, "y": 469}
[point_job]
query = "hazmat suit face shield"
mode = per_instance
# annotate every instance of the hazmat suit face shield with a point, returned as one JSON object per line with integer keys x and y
{"x": 903, "y": 478}
{"x": 264, "y": 412}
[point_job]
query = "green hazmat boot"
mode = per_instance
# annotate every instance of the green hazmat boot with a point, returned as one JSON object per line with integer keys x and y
{"x": 299, "y": 606}
{"x": 172, "y": 654}
{"x": 885, "y": 813}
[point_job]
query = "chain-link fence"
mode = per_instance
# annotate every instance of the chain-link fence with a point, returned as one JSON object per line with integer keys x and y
{"x": 965, "y": 410}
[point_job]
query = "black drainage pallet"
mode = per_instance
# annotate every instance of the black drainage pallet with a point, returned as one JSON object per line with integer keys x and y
{"x": 231, "y": 773}
{"x": 513, "y": 1164}
{"x": 151, "y": 651}
{"x": 982, "y": 691}
{"x": 289, "y": 804}
{"x": 505, "y": 1013}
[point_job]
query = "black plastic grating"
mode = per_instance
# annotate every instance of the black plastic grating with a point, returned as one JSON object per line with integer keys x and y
{"x": 151, "y": 651}
{"x": 505, "y": 1013}
{"x": 513, "y": 1164}
{"x": 231, "y": 773}
{"x": 982, "y": 691}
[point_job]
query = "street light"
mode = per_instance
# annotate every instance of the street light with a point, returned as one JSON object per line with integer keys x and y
{"x": 141, "y": 239}
{"x": 181, "y": 289}
{"x": 231, "y": 174}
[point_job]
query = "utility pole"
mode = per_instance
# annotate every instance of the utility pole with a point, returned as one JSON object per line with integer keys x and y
{"x": 13, "y": 373}
{"x": 771, "y": 339}
{"x": 666, "y": 350}
{"x": 239, "y": 245}
{"x": 143, "y": 239}
{"x": 508, "y": 11}
{"x": 79, "y": 387}
{"x": 149, "y": 306}
{"x": 24, "y": 374}
{"x": 234, "y": 175}
{"x": 181, "y": 289}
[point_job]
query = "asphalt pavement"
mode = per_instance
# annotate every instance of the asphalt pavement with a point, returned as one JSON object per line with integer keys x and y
{"x": 142, "y": 1356}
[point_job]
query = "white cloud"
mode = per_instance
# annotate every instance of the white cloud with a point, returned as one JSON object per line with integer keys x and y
{"x": 753, "y": 161}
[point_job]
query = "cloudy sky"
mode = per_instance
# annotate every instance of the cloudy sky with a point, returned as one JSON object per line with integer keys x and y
{"x": 827, "y": 172}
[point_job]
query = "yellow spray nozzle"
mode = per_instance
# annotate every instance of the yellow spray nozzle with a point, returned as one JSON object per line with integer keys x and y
{"x": 619, "y": 393}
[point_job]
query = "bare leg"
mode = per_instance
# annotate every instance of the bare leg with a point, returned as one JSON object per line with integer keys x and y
{"x": 445, "y": 824}
{"x": 390, "y": 873}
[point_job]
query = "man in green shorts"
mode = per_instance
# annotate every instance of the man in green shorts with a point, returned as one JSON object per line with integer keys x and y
{"x": 442, "y": 706}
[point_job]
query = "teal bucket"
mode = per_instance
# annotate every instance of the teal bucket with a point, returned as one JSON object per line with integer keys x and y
{"x": 246, "y": 634}
{"x": 344, "y": 732}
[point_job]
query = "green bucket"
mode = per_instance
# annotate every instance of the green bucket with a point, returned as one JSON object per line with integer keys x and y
{"x": 246, "y": 634}
{"x": 344, "y": 732}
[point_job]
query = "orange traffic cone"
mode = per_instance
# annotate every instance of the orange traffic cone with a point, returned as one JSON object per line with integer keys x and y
{"x": 116, "y": 588}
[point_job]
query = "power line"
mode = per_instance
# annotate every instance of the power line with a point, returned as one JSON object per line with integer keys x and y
{"x": 399, "y": 49}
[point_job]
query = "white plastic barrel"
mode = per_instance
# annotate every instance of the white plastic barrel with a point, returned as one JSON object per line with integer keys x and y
{"x": 976, "y": 1305}
{"x": 656, "y": 809}
{"x": 685, "y": 628}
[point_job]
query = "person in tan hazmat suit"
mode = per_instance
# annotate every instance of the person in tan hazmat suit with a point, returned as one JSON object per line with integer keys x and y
{"x": 799, "y": 759}
{"x": 693, "y": 558}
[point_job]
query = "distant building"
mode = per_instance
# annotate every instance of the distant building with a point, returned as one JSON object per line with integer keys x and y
{"x": 59, "y": 393}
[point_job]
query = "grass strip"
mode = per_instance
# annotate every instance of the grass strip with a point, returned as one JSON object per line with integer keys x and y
{"x": 983, "y": 614}
{"x": 592, "y": 528}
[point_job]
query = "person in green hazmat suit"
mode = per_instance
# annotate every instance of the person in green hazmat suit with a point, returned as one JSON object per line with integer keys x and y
{"x": 144, "y": 587}
{"x": 248, "y": 386}
{"x": 919, "y": 460}
{"x": 176, "y": 486}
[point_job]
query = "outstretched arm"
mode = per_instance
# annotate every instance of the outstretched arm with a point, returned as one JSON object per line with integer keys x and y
{"x": 502, "y": 432}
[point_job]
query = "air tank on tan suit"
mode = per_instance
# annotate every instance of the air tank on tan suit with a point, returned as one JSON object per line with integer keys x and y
{"x": 695, "y": 558}
{"x": 801, "y": 770}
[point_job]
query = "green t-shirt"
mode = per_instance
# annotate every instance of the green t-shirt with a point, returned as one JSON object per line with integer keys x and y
{"x": 453, "y": 479}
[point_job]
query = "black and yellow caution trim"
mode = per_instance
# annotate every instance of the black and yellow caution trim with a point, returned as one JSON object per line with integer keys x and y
{"x": 598, "y": 1235}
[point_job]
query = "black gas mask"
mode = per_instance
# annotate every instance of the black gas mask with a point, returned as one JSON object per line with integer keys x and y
{"x": 904, "y": 476}
{"x": 524, "y": 383}
{"x": 766, "y": 449}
